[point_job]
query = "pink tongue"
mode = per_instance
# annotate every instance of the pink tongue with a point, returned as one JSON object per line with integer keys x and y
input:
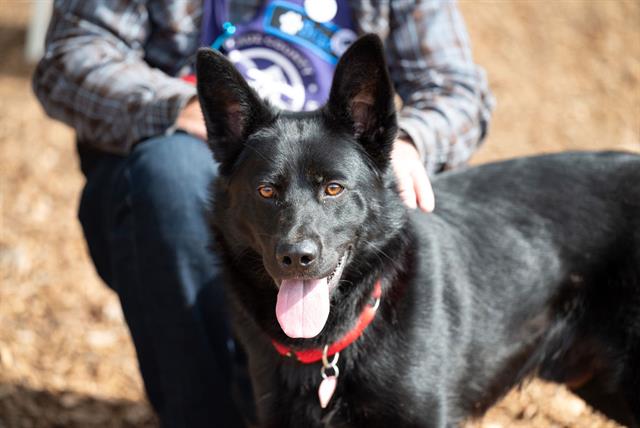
{"x": 302, "y": 308}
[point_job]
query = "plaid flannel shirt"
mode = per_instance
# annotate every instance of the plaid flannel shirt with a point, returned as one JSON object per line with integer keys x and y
{"x": 112, "y": 70}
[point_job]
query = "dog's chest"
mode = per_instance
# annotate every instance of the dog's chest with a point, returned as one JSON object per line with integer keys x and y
{"x": 364, "y": 396}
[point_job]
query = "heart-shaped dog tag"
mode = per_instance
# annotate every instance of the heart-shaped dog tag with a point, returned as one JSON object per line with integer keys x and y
{"x": 326, "y": 390}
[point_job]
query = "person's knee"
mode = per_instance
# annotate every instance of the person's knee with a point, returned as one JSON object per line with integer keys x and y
{"x": 169, "y": 179}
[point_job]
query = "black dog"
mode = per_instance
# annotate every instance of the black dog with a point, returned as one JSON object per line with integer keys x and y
{"x": 530, "y": 266}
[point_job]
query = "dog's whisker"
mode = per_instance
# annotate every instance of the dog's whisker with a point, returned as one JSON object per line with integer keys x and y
{"x": 378, "y": 252}
{"x": 263, "y": 397}
{"x": 258, "y": 152}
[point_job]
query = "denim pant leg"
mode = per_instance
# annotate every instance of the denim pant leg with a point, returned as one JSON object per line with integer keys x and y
{"x": 144, "y": 220}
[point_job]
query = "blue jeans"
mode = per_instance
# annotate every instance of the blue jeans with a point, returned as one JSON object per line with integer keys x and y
{"x": 144, "y": 220}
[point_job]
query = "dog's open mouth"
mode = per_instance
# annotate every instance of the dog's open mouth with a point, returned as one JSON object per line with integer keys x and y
{"x": 303, "y": 305}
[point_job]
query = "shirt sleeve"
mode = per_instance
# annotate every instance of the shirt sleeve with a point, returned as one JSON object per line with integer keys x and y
{"x": 446, "y": 100}
{"x": 94, "y": 77}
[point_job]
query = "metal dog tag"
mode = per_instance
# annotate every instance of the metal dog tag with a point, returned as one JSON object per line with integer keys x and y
{"x": 326, "y": 390}
{"x": 328, "y": 385}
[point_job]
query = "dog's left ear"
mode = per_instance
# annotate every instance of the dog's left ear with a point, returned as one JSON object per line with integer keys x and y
{"x": 231, "y": 108}
{"x": 362, "y": 98}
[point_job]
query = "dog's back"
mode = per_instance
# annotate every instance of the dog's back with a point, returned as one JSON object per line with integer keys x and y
{"x": 538, "y": 260}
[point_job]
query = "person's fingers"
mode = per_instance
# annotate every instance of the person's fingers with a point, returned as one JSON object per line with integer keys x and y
{"x": 406, "y": 188}
{"x": 413, "y": 182}
{"x": 195, "y": 128}
{"x": 191, "y": 120}
{"x": 200, "y": 131}
{"x": 423, "y": 189}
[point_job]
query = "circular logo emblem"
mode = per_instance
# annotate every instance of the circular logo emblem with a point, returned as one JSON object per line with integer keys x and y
{"x": 272, "y": 75}
{"x": 321, "y": 10}
{"x": 341, "y": 40}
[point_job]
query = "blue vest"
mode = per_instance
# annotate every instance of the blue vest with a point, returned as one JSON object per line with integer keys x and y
{"x": 288, "y": 51}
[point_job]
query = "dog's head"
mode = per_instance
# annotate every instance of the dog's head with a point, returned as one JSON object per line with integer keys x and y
{"x": 301, "y": 195}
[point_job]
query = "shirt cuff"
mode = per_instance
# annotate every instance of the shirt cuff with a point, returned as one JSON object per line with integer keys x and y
{"x": 163, "y": 113}
{"x": 422, "y": 139}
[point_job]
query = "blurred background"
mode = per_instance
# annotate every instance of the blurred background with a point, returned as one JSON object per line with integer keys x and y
{"x": 566, "y": 75}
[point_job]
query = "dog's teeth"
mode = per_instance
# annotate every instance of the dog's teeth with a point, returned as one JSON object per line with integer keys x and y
{"x": 332, "y": 274}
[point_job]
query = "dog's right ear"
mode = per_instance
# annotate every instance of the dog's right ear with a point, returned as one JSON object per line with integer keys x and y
{"x": 361, "y": 98}
{"x": 231, "y": 108}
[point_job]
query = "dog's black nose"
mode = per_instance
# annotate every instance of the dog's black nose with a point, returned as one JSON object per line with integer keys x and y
{"x": 297, "y": 255}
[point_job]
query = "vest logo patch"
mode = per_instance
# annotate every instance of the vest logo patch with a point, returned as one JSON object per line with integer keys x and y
{"x": 287, "y": 56}
{"x": 276, "y": 71}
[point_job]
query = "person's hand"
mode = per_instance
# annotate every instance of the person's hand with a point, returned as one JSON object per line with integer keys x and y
{"x": 413, "y": 181}
{"x": 191, "y": 120}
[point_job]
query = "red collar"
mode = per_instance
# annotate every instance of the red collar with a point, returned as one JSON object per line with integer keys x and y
{"x": 308, "y": 356}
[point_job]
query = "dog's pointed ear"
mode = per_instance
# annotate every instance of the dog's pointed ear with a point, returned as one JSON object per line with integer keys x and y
{"x": 362, "y": 98}
{"x": 231, "y": 108}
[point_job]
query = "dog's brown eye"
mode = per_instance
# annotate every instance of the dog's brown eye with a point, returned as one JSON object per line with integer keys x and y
{"x": 266, "y": 191}
{"x": 333, "y": 189}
